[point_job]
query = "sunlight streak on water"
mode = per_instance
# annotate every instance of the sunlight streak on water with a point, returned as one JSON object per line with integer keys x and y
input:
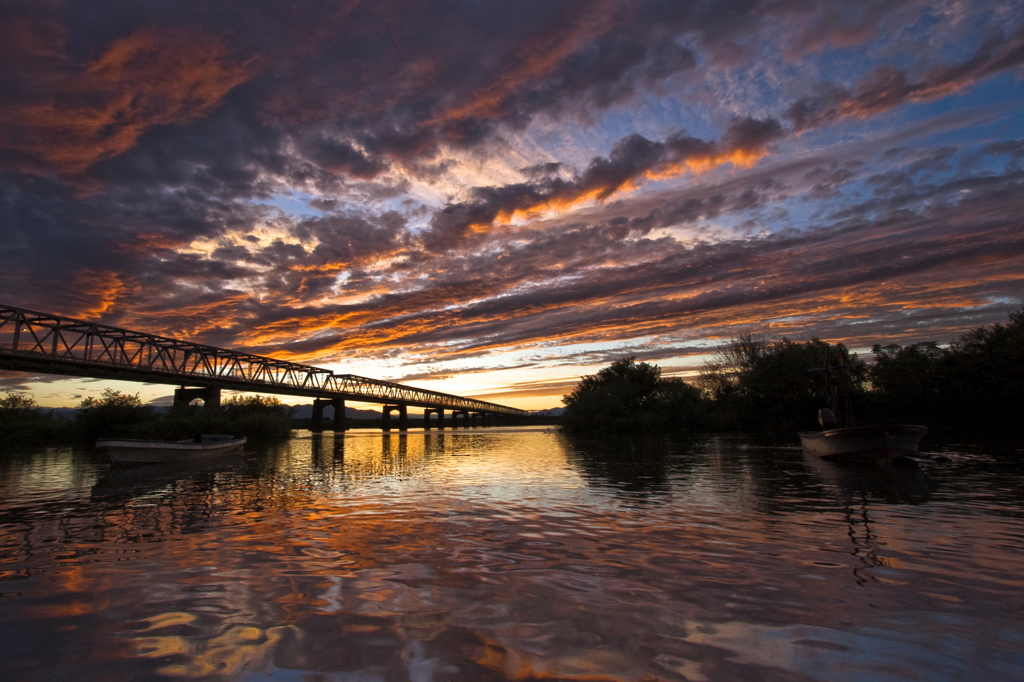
{"x": 510, "y": 554}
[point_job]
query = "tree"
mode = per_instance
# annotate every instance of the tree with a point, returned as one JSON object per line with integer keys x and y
{"x": 629, "y": 396}
{"x": 770, "y": 385}
{"x": 112, "y": 414}
{"x": 976, "y": 382}
{"x": 18, "y": 406}
{"x": 111, "y": 398}
{"x": 238, "y": 405}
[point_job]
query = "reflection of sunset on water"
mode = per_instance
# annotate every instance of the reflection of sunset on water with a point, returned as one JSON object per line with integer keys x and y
{"x": 505, "y": 554}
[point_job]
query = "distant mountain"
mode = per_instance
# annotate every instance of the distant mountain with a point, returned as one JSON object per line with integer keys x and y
{"x": 550, "y": 412}
{"x": 70, "y": 412}
{"x": 306, "y": 412}
{"x": 66, "y": 412}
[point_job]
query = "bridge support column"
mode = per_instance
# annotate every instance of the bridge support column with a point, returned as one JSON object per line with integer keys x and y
{"x": 210, "y": 396}
{"x": 403, "y": 417}
{"x": 439, "y": 411}
{"x": 318, "y": 415}
{"x": 339, "y": 415}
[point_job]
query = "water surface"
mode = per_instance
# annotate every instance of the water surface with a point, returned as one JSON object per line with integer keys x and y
{"x": 511, "y": 554}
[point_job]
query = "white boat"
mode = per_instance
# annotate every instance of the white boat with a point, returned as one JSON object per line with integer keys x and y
{"x": 863, "y": 443}
{"x": 132, "y": 451}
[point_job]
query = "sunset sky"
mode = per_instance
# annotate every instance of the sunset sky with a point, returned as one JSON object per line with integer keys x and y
{"x": 493, "y": 198}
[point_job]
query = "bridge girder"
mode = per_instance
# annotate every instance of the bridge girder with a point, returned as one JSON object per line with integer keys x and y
{"x": 50, "y": 344}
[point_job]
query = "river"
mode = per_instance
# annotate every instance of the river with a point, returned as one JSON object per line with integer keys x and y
{"x": 512, "y": 554}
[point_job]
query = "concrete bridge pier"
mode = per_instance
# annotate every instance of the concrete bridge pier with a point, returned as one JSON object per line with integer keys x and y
{"x": 439, "y": 411}
{"x": 318, "y": 414}
{"x": 403, "y": 417}
{"x": 339, "y": 415}
{"x": 455, "y": 418}
{"x": 210, "y": 396}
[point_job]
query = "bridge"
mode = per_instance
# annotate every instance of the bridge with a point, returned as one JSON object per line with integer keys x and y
{"x": 50, "y": 344}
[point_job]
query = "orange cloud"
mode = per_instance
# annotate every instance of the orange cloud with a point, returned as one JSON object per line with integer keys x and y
{"x": 142, "y": 81}
{"x": 102, "y": 291}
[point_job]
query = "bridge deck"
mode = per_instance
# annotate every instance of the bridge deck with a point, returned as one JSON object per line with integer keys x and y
{"x": 51, "y": 344}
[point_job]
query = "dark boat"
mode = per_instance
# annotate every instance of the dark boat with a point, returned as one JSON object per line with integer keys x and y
{"x": 838, "y": 442}
{"x": 864, "y": 443}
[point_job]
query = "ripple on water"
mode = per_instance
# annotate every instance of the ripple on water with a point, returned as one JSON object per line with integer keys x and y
{"x": 505, "y": 554}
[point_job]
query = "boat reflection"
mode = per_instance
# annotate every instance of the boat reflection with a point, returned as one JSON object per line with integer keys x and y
{"x": 126, "y": 483}
{"x": 900, "y": 482}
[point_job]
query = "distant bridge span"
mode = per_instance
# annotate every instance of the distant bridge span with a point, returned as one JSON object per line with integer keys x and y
{"x": 51, "y": 344}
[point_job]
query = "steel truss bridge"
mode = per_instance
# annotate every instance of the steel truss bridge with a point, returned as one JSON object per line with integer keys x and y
{"x": 50, "y": 344}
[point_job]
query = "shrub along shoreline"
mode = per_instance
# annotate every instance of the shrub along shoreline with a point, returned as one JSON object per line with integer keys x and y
{"x": 974, "y": 386}
{"x": 120, "y": 415}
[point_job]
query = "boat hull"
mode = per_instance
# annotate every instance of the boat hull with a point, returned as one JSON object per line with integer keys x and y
{"x": 134, "y": 452}
{"x": 864, "y": 443}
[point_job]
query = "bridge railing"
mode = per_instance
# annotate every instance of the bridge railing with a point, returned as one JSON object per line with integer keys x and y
{"x": 33, "y": 341}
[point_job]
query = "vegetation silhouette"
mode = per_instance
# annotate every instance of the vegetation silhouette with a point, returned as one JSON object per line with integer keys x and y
{"x": 23, "y": 421}
{"x": 114, "y": 414}
{"x": 757, "y": 384}
{"x": 631, "y": 396}
{"x": 972, "y": 386}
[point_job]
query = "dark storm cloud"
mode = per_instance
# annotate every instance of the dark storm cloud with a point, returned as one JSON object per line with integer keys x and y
{"x": 389, "y": 80}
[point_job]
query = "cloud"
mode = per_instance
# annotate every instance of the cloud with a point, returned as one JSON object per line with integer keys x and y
{"x": 886, "y": 87}
{"x": 531, "y": 183}
{"x": 632, "y": 160}
{"x": 144, "y": 80}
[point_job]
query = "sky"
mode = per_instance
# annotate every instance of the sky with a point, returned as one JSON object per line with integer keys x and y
{"x": 494, "y": 198}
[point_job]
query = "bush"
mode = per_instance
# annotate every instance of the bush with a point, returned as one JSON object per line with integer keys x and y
{"x": 23, "y": 421}
{"x": 112, "y": 415}
{"x": 631, "y": 396}
{"x": 764, "y": 385}
{"x": 976, "y": 383}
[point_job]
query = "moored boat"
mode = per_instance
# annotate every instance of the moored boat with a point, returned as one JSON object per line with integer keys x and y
{"x": 132, "y": 451}
{"x": 864, "y": 443}
{"x": 840, "y": 440}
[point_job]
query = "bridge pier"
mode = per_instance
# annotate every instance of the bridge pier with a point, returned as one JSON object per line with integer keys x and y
{"x": 317, "y": 425}
{"x": 403, "y": 417}
{"x": 455, "y": 418}
{"x": 210, "y": 396}
{"x": 339, "y": 415}
{"x": 439, "y": 411}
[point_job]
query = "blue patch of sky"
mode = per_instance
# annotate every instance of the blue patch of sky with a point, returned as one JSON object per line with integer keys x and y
{"x": 658, "y": 117}
{"x": 295, "y": 204}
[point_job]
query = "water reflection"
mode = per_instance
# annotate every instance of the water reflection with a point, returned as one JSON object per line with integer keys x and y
{"x": 901, "y": 482}
{"x": 638, "y": 466}
{"x": 498, "y": 554}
